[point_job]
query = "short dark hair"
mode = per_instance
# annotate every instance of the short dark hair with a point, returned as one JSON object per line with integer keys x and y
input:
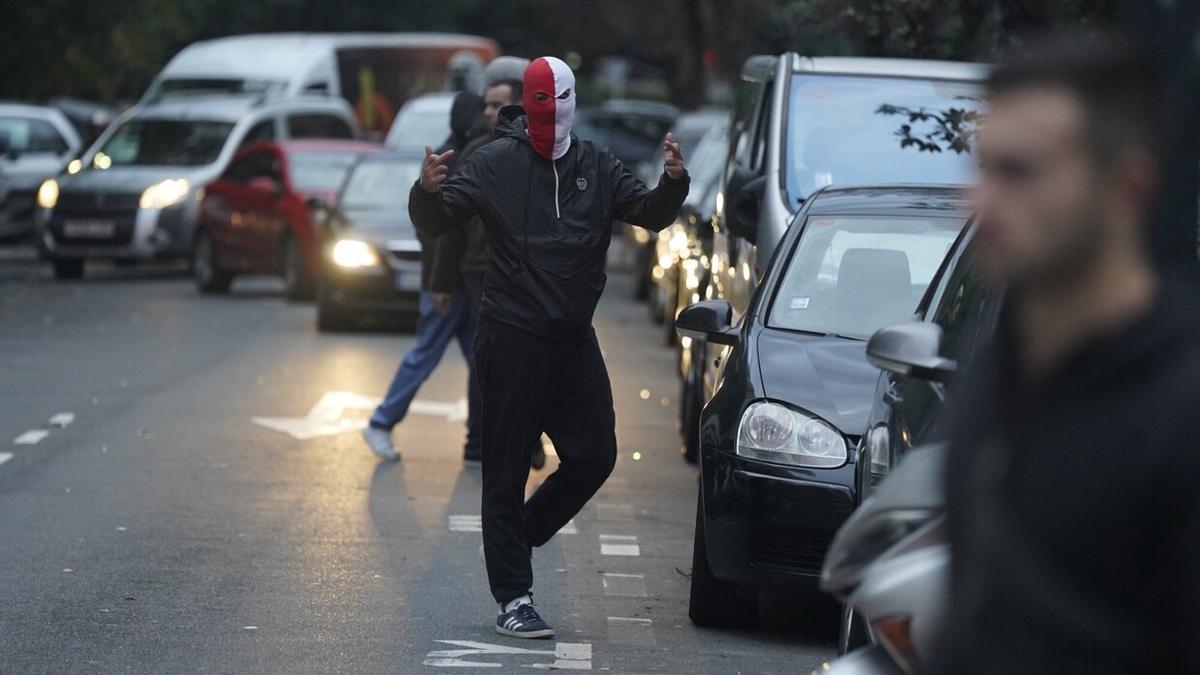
{"x": 1117, "y": 84}
{"x": 518, "y": 88}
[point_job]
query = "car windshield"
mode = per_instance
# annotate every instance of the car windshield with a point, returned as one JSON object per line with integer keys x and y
{"x": 150, "y": 142}
{"x": 313, "y": 171}
{"x": 376, "y": 185}
{"x": 852, "y": 275}
{"x": 854, "y": 130}
{"x": 416, "y": 129}
{"x": 31, "y": 135}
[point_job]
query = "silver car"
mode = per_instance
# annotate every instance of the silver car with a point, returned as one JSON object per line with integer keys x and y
{"x": 36, "y": 142}
{"x": 136, "y": 191}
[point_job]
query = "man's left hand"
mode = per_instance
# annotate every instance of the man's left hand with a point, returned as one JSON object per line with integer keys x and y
{"x": 674, "y": 162}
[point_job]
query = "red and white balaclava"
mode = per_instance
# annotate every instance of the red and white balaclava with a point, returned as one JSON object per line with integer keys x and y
{"x": 549, "y": 120}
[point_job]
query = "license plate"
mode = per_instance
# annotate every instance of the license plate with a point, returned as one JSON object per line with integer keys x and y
{"x": 408, "y": 281}
{"x": 89, "y": 229}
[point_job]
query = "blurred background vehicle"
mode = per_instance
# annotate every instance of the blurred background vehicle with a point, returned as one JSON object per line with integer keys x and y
{"x": 136, "y": 192}
{"x": 424, "y": 120}
{"x": 36, "y": 142}
{"x": 89, "y": 118}
{"x": 371, "y": 258}
{"x": 258, "y": 216}
{"x": 776, "y": 471}
{"x": 375, "y": 72}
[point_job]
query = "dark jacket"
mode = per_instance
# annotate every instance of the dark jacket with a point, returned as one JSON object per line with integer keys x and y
{"x": 462, "y": 250}
{"x": 465, "y": 112}
{"x": 548, "y": 224}
{"x": 1074, "y": 505}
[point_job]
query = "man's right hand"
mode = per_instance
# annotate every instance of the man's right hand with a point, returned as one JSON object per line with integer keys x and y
{"x": 434, "y": 170}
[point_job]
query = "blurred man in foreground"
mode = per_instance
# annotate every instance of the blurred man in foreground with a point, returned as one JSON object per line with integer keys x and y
{"x": 1072, "y": 486}
{"x": 547, "y": 200}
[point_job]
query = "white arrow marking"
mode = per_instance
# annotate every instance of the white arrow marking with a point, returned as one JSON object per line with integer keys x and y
{"x": 31, "y": 437}
{"x": 327, "y": 417}
{"x": 61, "y": 420}
{"x": 5, "y": 456}
{"x": 567, "y": 655}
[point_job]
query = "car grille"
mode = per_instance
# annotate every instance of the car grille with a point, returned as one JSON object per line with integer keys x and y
{"x": 97, "y": 203}
{"x": 791, "y": 534}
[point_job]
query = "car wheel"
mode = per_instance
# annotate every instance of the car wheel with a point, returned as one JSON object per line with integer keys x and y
{"x": 67, "y": 268}
{"x": 852, "y": 631}
{"x": 297, "y": 282}
{"x": 670, "y": 337}
{"x": 715, "y": 603}
{"x": 207, "y": 273}
{"x": 692, "y": 405}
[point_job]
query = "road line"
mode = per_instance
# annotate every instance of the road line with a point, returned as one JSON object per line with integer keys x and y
{"x": 61, "y": 420}
{"x": 31, "y": 437}
{"x": 5, "y": 456}
{"x": 472, "y": 523}
{"x": 619, "y": 544}
{"x": 624, "y": 585}
{"x": 631, "y": 631}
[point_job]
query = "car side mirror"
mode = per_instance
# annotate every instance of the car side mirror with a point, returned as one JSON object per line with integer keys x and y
{"x": 743, "y": 200}
{"x": 911, "y": 349}
{"x": 708, "y": 320}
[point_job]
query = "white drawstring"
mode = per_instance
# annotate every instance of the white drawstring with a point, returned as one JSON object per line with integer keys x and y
{"x": 557, "y": 213}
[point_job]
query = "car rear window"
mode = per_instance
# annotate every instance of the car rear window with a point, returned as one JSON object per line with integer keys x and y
{"x": 852, "y": 275}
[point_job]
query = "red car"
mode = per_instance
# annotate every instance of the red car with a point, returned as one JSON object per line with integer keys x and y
{"x": 257, "y": 218}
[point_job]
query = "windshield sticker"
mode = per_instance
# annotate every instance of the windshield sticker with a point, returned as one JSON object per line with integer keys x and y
{"x": 799, "y": 302}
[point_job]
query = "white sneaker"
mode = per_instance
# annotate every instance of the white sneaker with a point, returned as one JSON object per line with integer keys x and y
{"x": 380, "y": 442}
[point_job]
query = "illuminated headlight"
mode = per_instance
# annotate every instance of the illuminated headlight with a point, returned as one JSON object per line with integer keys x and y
{"x": 74, "y": 166}
{"x": 165, "y": 193}
{"x": 47, "y": 194}
{"x": 354, "y": 254}
{"x": 772, "y": 433}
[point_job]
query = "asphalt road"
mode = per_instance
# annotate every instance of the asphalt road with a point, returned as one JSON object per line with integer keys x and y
{"x": 157, "y": 526}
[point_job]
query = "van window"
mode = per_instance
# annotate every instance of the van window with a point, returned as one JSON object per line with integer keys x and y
{"x": 318, "y": 125}
{"x": 263, "y": 131}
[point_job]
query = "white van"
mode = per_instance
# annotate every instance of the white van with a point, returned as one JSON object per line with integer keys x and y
{"x": 375, "y": 72}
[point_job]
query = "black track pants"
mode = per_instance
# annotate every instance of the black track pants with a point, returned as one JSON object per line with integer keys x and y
{"x": 530, "y": 386}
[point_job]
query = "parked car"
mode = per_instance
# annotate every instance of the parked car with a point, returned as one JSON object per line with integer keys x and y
{"x": 701, "y": 138}
{"x": 907, "y": 405}
{"x": 372, "y": 258}
{"x": 36, "y": 142}
{"x": 795, "y": 387}
{"x": 376, "y": 73}
{"x": 801, "y": 123}
{"x": 632, "y": 129}
{"x": 257, "y": 218}
{"x": 137, "y": 194}
{"x": 425, "y": 120}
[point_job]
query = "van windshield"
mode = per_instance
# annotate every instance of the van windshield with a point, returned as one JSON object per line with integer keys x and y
{"x": 147, "y": 142}
{"x": 852, "y": 275}
{"x": 214, "y": 85}
{"x": 856, "y": 130}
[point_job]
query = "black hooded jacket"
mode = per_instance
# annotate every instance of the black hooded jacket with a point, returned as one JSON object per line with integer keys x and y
{"x": 465, "y": 112}
{"x": 548, "y": 224}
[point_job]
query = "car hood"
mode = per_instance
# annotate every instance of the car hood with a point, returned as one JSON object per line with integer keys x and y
{"x": 132, "y": 179}
{"x": 828, "y": 376}
{"x": 379, "y": 227}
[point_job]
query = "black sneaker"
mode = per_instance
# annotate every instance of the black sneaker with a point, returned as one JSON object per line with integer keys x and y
{"x": 523, "y": 622}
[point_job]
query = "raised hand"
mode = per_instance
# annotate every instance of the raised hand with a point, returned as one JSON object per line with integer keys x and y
{"x": 434, "y": 169}
{"x": 673, "y": 164}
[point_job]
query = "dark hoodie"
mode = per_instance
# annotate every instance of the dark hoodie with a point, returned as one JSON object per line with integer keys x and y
{"x": 465, "y": 112}
{"x": 548, "y": 223}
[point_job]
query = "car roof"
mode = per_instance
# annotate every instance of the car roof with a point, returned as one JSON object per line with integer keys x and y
{"x": 392, "y": 155}
{"x": 923, "y": 68}
{"x": 889, "y": 200}
{"x": 433, "y": 101}
{"x": 326, "y": 145}
{"x": 230, "y": 108}
{"x": 15, "y": 108}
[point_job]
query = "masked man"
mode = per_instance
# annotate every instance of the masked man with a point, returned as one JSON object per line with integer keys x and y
{"x": 547, "y": 200}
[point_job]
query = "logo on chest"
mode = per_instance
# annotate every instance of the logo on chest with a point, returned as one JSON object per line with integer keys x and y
{"x": 581, "y": 184}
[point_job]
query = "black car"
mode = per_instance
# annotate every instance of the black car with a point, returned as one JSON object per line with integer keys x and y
{"x": 795, "y": 388}
{"x": 960, "y": 310}
{"x": 371, "y": 259}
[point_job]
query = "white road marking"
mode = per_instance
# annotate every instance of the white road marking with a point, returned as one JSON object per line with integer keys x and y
{"x": 619, "y": 544}
{"x": 61, "y": 420}
{"x": 31, "y": 437}
{"x": 567, "y": 655}
{"x": 5, "y": 456}
{"x": 328, "y": 416}
{"x": 474, "y": 523}
{"x": 625, "y": 585}
{"x": 631, "y": 631}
